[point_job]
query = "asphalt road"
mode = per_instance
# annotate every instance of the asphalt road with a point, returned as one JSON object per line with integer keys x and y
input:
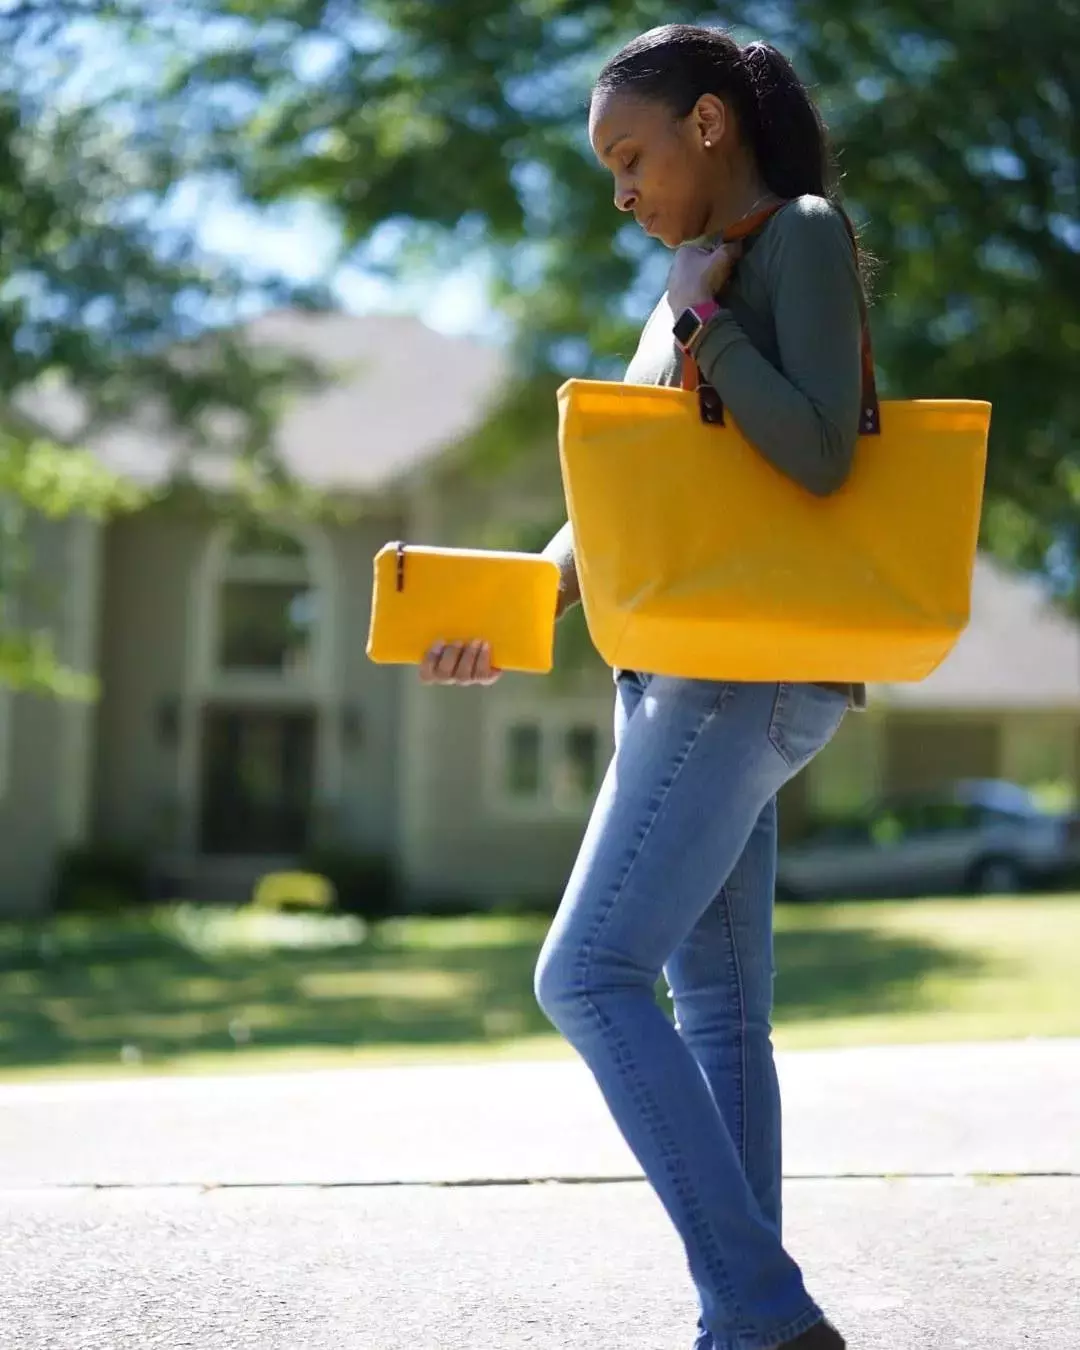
{"x": 933, "y": 1200}
{"x": 901, "y": 1265}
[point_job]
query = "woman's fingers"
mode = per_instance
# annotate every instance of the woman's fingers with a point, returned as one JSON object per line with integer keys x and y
{"x": 427, "y": 665}
{"x": 440, "y": 662}
{"x": 476, "y": 667}
{"x": 449, "y": 666}
{"x": 724, "y": 259}
{"x": 461, "y": 663}
{"x": 470, "y": 657}
{"x": 484, "y": 672}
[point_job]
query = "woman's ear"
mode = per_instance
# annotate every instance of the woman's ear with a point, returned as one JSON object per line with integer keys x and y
{"x": 710, "y": 120}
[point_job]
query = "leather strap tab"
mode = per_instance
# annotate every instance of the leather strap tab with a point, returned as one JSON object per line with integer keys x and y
{"x": 710, "y": 404}
{"x": 870, "y": 409}
{"x": 691, "y": 376}
{"x": 712, "y": 408}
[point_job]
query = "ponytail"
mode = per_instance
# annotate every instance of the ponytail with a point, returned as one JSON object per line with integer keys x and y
{"x": 789, "y": 139}
{"x": 785, "y": 130}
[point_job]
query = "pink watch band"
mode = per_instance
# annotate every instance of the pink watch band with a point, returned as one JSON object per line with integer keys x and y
{"x": 703, "y": 312}
{"x": 708, "y": 309}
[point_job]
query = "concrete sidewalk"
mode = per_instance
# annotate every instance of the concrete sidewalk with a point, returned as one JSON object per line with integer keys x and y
{"x": 1010, "y": 1107}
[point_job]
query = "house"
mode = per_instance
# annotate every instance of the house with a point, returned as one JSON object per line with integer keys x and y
{"x": 1004, "y": 704}
{"x": 240, "y": 720}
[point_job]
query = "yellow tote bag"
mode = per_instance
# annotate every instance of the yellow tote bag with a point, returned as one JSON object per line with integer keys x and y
{"x": 697, "y": 558}
{"x": 421, "y": 595}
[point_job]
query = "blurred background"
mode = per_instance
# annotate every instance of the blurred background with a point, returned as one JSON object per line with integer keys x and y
{"x": 282, "y": 280}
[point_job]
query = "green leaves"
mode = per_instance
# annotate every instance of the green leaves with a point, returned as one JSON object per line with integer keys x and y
{"x": 103, "y": 296}
{"x": 56, "y": 481}
{"x": 958, "y": 133}
{"x": 464, "y": 125}
{"x": 28, "y": 664}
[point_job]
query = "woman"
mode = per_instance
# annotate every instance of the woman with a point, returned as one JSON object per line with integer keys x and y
{"x": 676, "y": 872}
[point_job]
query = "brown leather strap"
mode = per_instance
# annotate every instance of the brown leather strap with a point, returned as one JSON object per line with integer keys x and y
{"x": 712, "y": 408}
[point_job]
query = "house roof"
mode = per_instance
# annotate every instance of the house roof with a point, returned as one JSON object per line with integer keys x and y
{"x": 1019, "y": 651}
{"x": 400, "y": 394}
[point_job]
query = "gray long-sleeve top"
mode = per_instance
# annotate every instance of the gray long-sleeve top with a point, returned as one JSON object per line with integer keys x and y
{"x": 785, "y": 353}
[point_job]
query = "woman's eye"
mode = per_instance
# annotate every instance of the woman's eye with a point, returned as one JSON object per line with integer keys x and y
{"x": 632, "y": 163}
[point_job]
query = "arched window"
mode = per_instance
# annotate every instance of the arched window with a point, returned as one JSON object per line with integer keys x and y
{"x": 260, "y": 741}
{"x": 262, "y": 614}
{"x": 267, "y": 606}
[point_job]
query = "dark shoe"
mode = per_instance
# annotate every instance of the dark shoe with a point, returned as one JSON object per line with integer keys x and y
{"x": 821, "y": 1336}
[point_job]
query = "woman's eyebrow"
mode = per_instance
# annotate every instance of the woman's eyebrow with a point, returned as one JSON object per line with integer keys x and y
{"x": 621, "y": 137}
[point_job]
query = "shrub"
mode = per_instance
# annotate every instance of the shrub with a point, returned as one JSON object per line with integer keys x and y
{"x": 101, "y": 879}
{"x": 366, "y": 883}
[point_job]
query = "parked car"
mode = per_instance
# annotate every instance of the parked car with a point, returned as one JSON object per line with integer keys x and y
{"x": 977, "y": 837}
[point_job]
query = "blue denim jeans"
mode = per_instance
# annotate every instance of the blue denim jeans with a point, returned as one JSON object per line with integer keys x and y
{"x": 676, "y": 875}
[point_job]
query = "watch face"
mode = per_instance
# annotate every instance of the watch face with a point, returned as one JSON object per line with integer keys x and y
{"x": 686, "y": 325}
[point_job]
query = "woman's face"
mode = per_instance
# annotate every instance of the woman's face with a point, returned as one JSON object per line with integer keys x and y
{"x": 664, "y": 172}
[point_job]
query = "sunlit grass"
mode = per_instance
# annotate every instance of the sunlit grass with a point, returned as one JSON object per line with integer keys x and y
{"x": 1001, "y": 969}
{"x": 194, "y": 991}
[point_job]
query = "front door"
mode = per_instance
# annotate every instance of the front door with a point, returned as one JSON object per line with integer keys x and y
{"x": 257, "y": 776}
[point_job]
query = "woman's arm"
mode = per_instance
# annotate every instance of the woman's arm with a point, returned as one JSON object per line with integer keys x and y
{"x": 561, "y": 550}
{"x": 804, "y": 421}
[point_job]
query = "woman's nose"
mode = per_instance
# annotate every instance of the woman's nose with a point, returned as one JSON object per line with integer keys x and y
{"x": 625, "y": 198}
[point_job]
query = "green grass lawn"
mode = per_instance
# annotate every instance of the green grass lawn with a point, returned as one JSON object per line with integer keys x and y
{"x": 187, "y": 990}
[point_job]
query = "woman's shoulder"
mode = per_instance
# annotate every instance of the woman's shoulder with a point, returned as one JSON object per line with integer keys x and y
{"x": 808, "y": 230}
{"x": 809, "y": 215}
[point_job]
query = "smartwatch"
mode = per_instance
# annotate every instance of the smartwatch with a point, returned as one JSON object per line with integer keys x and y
{"x": 689, "y": 324}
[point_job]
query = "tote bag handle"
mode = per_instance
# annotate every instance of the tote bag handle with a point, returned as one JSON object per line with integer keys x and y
{"x": 709, "y": 401}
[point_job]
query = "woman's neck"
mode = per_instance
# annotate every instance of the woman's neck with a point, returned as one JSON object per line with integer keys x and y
{"x": 745, "y": 192}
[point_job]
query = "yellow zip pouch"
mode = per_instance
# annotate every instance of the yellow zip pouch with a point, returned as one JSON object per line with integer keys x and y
{"x": 422, "y": 595}
{"x": 697, "y": 558}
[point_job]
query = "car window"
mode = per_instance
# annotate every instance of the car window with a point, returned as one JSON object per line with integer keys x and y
{"x": 990, "y": 819}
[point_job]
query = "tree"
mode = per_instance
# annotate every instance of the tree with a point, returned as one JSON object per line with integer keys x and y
{"x": 464, "y": 124}
{"x": 458, "y": 128}
{"x": 98, "y": 292}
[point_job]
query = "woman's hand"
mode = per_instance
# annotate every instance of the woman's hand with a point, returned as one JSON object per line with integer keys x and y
{"x": 463, "y": 663}
{"x": 700, "y": 274}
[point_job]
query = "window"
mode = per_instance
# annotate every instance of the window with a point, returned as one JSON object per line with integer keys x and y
{"x": 576, "y": 766}
{"x": 265, "y": 626}
{"x": 522, "y": 778}
{"x": 547, "y": 763}
{"x": 266, "y": 607}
